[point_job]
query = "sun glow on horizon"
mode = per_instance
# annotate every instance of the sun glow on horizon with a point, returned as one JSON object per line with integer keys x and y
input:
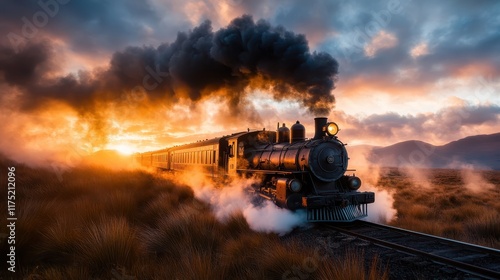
{"x": 124, "y": 149}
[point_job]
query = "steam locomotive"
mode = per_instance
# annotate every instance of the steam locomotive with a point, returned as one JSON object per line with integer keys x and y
{"x": 295, "y": 172}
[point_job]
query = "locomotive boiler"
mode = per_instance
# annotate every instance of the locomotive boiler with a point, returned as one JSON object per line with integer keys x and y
{"x": 294, "y": 172}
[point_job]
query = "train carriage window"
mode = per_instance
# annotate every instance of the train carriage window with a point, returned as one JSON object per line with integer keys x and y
{"x": 241, "y": 149}
{"x": 230, "y": 151}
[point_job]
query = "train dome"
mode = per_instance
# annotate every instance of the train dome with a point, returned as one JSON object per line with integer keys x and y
{"x": 283, "y": 134}
{"x": 298, "y": 132}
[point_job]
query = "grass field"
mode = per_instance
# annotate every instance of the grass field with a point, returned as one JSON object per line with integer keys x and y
{"x": 458, "y": 204}
{"x": 130, "y": 224}
{"x": 110, "y": 224}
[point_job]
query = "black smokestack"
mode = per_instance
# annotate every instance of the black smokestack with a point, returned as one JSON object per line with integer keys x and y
{"x": 319, "y": 123}
{"x": 243, "y": 56}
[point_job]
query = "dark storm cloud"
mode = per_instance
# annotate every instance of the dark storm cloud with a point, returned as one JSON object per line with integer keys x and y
{"x": 443, "y": 125}
{"x": 320, "y": 17}
{"x": 24, "y": 67}
{"x": 458, "y": 35}
{"x": 87, "y": 26}
{"x": 197, "y": 64}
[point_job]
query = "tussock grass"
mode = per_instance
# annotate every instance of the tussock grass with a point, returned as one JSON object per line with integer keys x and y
{"x": 448, "y": 207}
{"x": 105, "y": 224}
{"x": 484, "y": 230}
{"x": 348, "y": 269}
{"x": 108, "y": 243}
{"x": 59, "y": 242}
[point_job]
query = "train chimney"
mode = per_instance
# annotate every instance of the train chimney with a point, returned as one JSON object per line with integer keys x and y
{"x": 298, "y": 132}
{"x": 283, "y": 134}
{"x": 319, "y": 123}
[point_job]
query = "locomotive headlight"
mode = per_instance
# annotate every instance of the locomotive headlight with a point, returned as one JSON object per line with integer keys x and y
{"x": 294, "y": 185}
{"x": 354, "y": 182}
{"x": 332, "y": 129}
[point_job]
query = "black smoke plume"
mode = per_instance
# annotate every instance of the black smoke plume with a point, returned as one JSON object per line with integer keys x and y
{"x": 198, "y": 64}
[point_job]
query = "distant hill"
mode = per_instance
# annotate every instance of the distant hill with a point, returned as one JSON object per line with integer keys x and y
{"x": 480, "y": 151}
{"x": 110, "y": 159}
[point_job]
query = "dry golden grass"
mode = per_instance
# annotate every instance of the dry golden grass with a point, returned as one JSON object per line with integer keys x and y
{"x": 449, "y": 207}
{"x": 348, "y": 269}
{"x": 109, "y": 224}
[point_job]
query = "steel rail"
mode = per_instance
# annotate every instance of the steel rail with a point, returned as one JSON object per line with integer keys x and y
{"x": 459, "y": 265}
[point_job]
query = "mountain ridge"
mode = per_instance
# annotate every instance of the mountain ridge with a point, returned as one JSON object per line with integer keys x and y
{"x": 477, "y": 151}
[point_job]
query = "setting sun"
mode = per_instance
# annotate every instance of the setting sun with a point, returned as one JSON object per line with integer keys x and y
{"x": 123, "y": 149}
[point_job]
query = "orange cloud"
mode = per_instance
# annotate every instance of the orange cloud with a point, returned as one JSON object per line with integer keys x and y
{"x": 383, "y": 40}
{"x": 419, "y": 50}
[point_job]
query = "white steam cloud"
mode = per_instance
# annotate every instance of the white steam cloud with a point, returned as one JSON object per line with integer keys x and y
{"x": 474, "y": 180}
{"x": 234, "y": 197}
{"x": 382, "y": 210}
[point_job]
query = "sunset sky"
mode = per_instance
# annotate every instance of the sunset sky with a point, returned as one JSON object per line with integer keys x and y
{"x": 79, "y": 76}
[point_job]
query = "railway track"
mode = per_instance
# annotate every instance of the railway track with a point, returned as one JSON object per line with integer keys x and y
{"x": 475, "y": 260}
